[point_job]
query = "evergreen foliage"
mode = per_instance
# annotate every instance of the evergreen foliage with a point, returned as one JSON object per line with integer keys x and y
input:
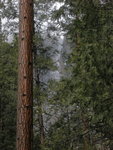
{"x": 88, "y": 90}
{"x": 8, "y": 84}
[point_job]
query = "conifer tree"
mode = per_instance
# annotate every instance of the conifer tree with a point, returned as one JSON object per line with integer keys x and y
{"x": 25, "y": 77}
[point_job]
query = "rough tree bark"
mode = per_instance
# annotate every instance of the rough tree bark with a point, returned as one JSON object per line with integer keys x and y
{"x": 25, "y": 77}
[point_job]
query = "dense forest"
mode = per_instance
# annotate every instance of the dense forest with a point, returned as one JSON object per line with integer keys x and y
{"x": 69, "y": 73}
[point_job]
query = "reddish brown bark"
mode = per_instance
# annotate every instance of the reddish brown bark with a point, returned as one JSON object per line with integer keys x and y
{"x": 25, "y": 77}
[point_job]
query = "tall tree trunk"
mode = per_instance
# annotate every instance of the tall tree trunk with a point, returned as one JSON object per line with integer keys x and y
{"x": 38, "y": 101}
{"x": 25, "y": 77}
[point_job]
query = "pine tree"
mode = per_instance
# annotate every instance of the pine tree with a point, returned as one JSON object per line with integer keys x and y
{"x": 25, "y": 78}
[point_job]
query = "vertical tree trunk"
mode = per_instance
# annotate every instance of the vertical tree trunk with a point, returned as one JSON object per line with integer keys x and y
{"x": 25, "y": 77}
{"x": 39, "y": 103}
